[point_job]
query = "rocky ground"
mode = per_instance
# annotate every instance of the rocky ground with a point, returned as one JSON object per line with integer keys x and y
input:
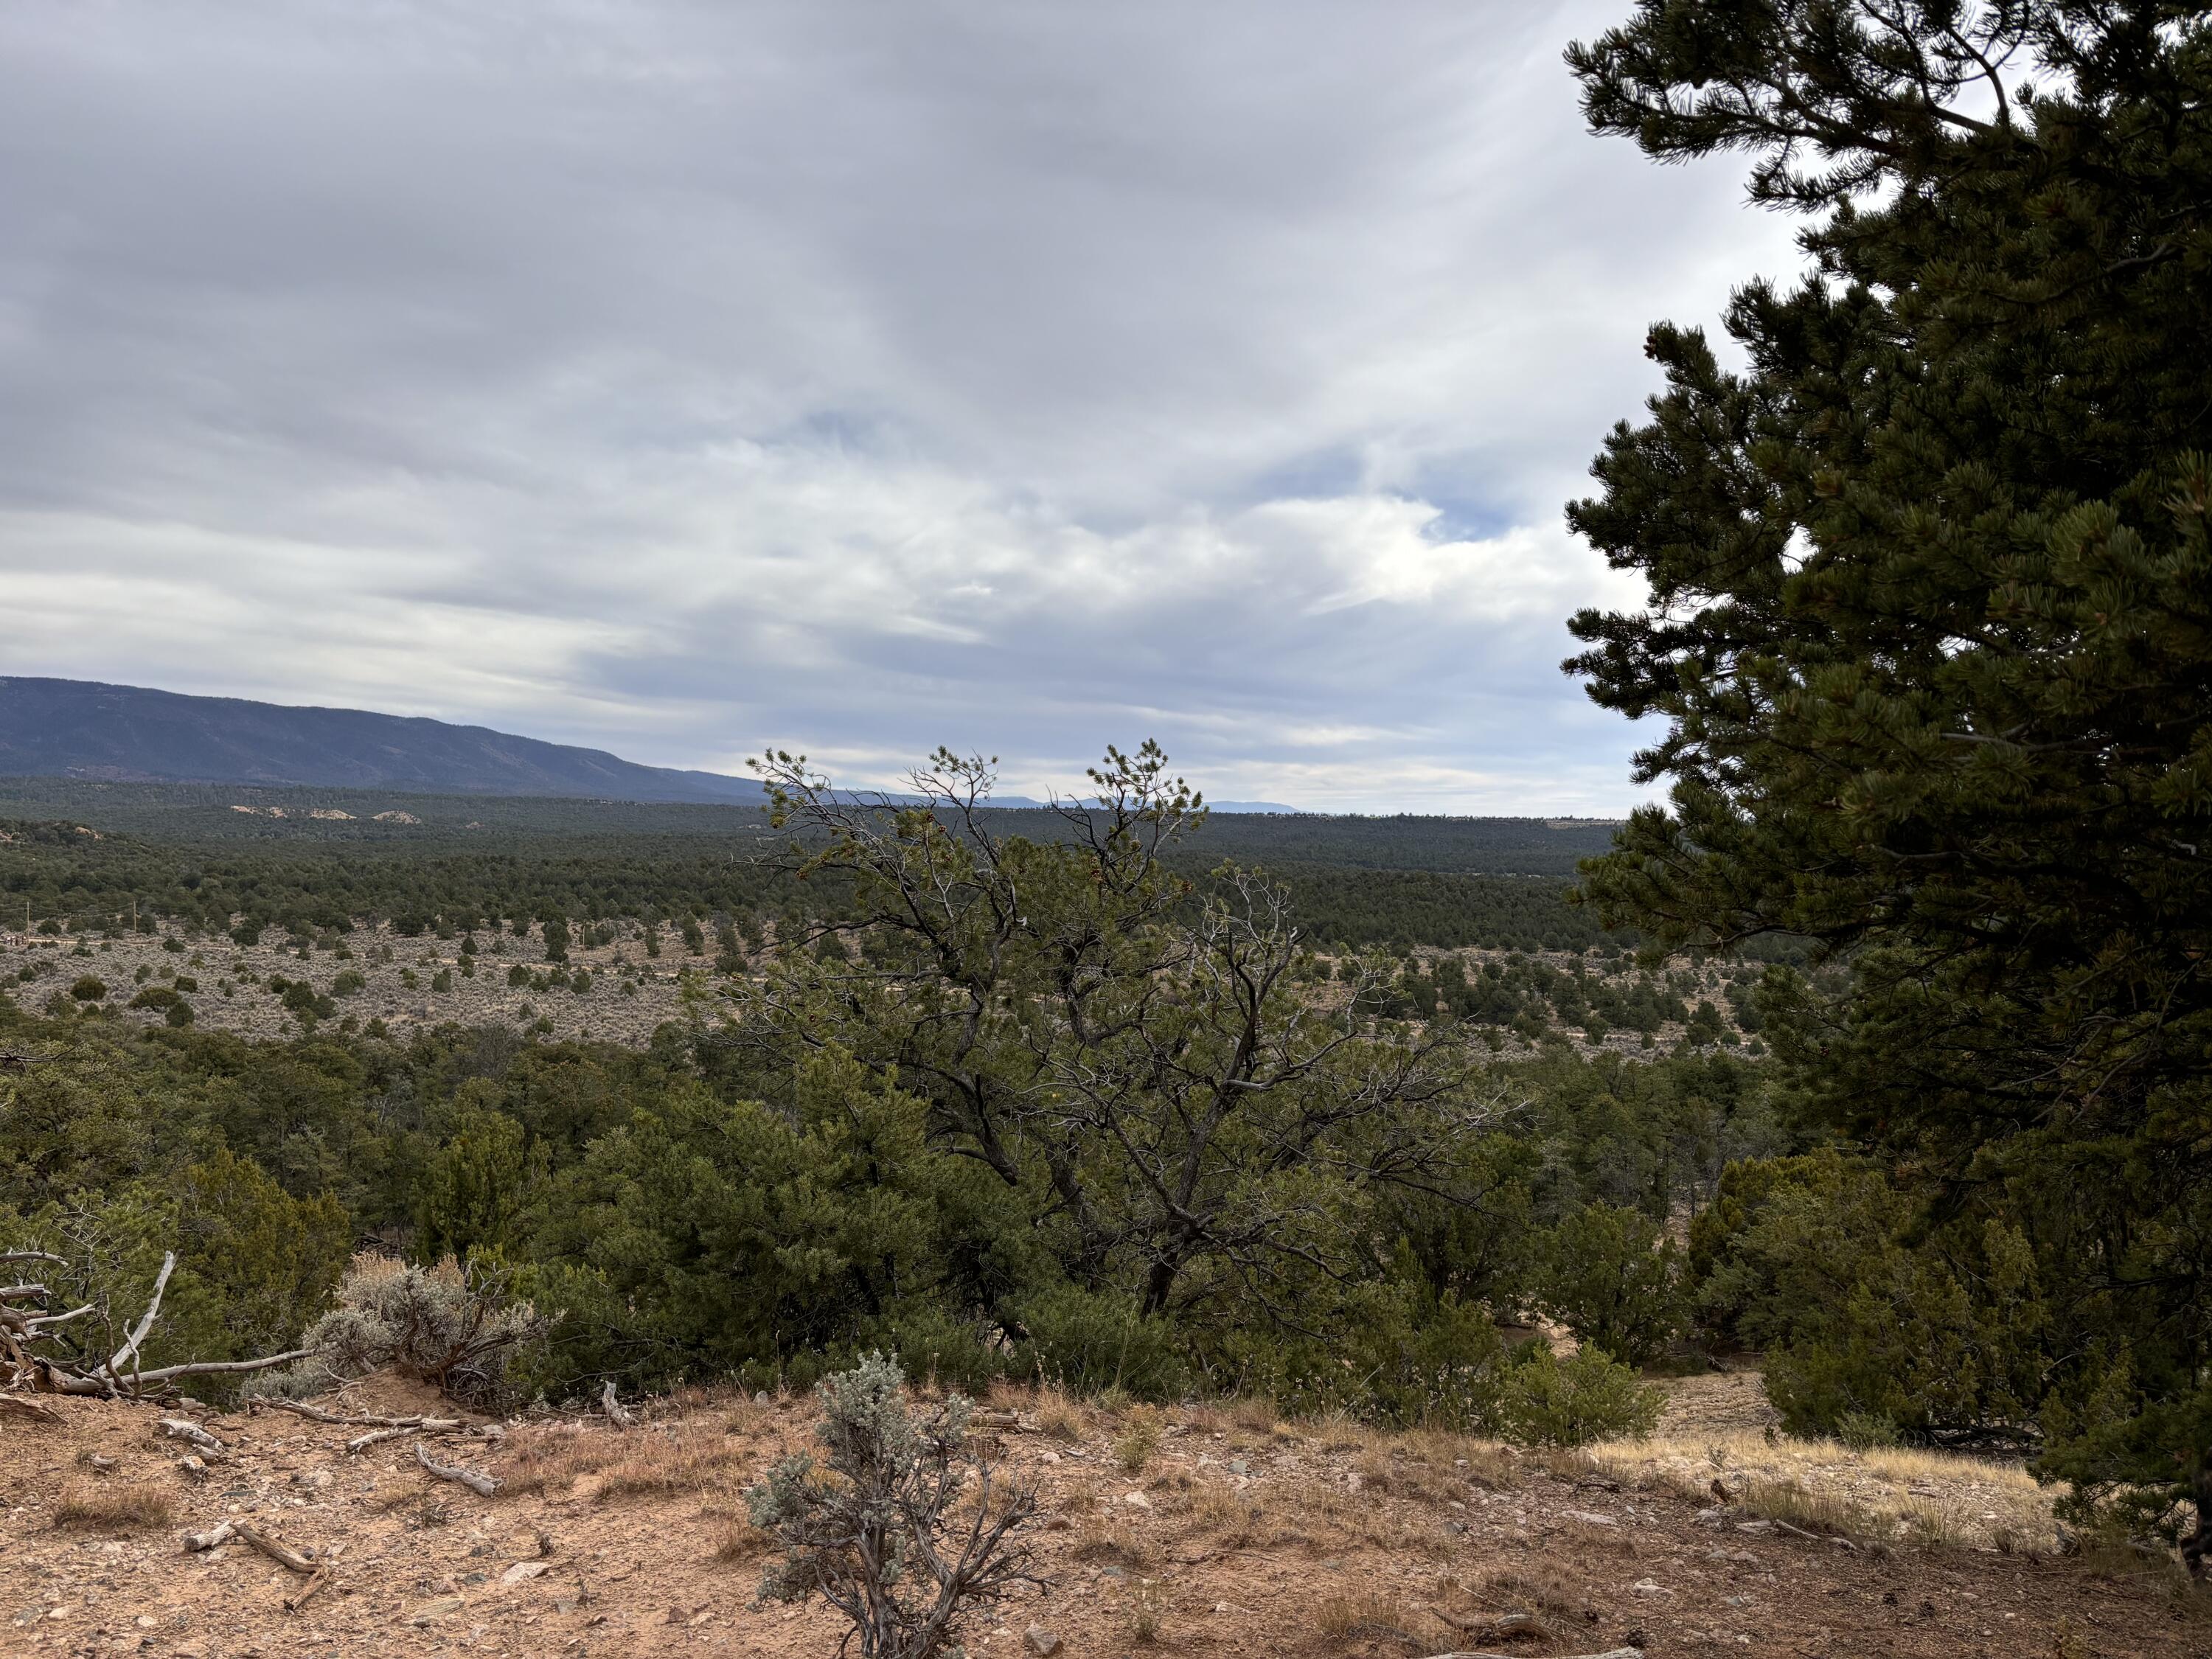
{"x": 1191, "y": 1530}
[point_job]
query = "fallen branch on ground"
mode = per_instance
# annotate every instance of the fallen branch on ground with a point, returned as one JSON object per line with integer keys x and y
{"x": 182, "y": 1428}
{"x": 483, "y": 1484}
{"x": 362, "y": 1420}
{"x": 213, "y": 1538}
{"x": 32, "y": 1411}
{"x": 306, "y": 1592}
{"x": 282, "y": 1554}
{"x": 1610, "y": 1653}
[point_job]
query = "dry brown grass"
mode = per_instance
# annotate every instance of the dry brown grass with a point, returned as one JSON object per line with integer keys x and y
{"x": 1103, "y": 1539}
{"x": 1370, "y": 1617}
{"x": 1059, "y": 1413}
{"x": 694, "y": 1454}
{"x": 113, "y": 1505}
{"x": 740, "y": 1541}
{"x": 1888, "y": 1494}
{"x": 1238, "y": 1519}
{"x": 1540, "y": 1588}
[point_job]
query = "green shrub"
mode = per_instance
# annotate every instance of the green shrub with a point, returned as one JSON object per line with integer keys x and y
{"x": 1550, "y": 1401}
{"x": 1615, "y": 1280}
{"x": 88, "y": 989}
{"x": 1092, "y": 1340}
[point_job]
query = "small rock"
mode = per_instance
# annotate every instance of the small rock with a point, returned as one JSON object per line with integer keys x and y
{"x": 1040, "y": 1641}
{"x": 522, "y": 1571}
{"x": 760, "y": 1399}
{"x": 1754, "y": 1526}
{"x": 1137, "y": 1500}
{"x": 1589, "y": 1518}
{"x": 443, "y": 1606}
{"x": 1353, "y": 1481}
{"x": 1240, "y": 1465}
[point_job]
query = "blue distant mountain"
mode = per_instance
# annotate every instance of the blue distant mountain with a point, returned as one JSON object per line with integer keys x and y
{"x": 86, "y": 729}
{"x": 129, "y": 734}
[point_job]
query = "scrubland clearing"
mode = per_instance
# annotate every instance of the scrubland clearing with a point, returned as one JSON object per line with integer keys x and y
{"x": 1216, "y": 1530}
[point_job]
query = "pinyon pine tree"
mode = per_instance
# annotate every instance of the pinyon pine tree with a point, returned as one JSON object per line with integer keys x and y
{"x": 1930, "y": 631}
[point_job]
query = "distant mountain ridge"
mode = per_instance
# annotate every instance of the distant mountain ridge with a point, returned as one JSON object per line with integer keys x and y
{"x": 129, "y": 734}
{"x": 98, "y": 732}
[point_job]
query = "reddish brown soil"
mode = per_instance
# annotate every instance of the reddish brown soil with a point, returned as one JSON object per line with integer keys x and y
{"x": 1248, "y": 1541}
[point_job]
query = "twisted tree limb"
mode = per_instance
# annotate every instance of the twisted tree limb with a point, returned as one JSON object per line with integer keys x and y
{"x": 483, "y": 1484}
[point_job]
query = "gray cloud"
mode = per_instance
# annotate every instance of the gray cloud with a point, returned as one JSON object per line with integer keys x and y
{"x": 680, "y": 378}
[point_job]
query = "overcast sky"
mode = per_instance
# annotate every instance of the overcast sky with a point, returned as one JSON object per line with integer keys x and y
{"x": 679, "y": 379}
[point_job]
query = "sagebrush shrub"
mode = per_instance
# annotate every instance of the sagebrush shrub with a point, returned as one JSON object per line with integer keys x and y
{"x": 870, "y": 1529}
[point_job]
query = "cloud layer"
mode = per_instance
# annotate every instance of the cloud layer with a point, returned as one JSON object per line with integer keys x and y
{"x": 681, "y": 377}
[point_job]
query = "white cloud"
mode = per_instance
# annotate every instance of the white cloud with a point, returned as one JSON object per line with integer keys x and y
{"x": 677, "y": 377}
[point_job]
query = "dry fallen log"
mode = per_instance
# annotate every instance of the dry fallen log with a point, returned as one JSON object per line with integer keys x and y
{"x": 617, "y": 1412}
{"x": 393, "y": 1426}
{"x": 306, "y": 1592}
{"x": 282, "y": 1554}
{"x": 183, "y": 1428}
{"x": 213, "y": 1538}
{"x": 483, "y": 1484}
{"x": 1610, "y": 1653}
{"x": 29, "y": 1411}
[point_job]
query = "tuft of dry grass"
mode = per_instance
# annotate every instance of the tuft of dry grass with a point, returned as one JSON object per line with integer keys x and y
{"x": 1138, "y": 1440}
{"x": 740, "y": 1541}
{"x": 694, "y": 1454}
{"x": 1370, "y": 1617}
{"x": 1146, "y": 1611}
{"x": 1059, "y": 1413}
{"x": 1102, "y": 1539}
{"x": 1256, "y": 1413}
{"x": 113, "y": 1506}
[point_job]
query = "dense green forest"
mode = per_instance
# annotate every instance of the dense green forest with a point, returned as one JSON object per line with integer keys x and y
{"x": 182, "y": 852}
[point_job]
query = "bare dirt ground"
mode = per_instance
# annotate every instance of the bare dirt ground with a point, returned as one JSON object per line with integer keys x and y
{"x": 1236, "y": 1537}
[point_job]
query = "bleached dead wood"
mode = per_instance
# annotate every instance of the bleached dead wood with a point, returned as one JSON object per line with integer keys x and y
{"x": 214, "y": 1537}
{"x": 122, "y": 1372}
{"x": 390, "y": 1427}
{"x": 617, "y": 1412}
{"x": 483, "y": 1484}
{"x": 29, "y": 1411}
{"x": 128, "y": 1352}
{"x": 182, "y": 1428}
